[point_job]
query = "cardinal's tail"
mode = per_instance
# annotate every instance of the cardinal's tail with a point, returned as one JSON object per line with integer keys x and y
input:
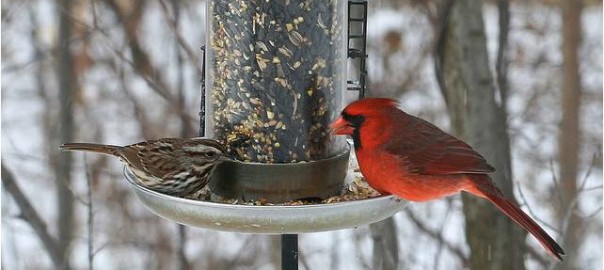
{"x": 488, "y": 190}
{"x": 91, "y": 147}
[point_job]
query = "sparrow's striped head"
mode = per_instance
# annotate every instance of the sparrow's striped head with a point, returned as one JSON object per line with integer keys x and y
{"x": 207, "y": 149}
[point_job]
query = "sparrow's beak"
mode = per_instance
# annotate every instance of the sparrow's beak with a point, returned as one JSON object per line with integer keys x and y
{"x": 225, "y": 157}
{"x": 341, "y": 127}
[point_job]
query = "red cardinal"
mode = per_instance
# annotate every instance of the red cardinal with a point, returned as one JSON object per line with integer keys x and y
{"x": 403, "y": 155}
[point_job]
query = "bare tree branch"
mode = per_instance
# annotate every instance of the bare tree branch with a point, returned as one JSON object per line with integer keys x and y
{"x": 90, "y": 222}
{"x": 501, "y": 64}
{"x": 555, "y": 180}
{"x": 403, "y": 83}
{"x": 570, "y": 206}
{"x": 138, "y": 111}
{"x": 173, "y": 23}
{"x": 437, "y": 236}
{"x": 537, "y": 255}
{"x": 31, "y": 216}
{"x": 358, "y": 236}
{"x": 593, "y": 213}
{"x": 183, "y": 263}
{"x": 231, "y": 264}
{"x": 533, "y": 214}
{"x": 141, "y": 62}
{"x": 440, "y": 32}
{"x": 449, "y": 200}
{"x": 385, "y": 244}
{"x": 304, "y": 260}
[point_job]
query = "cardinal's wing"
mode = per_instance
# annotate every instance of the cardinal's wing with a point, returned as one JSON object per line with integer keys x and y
{"x": 425, "y": 149}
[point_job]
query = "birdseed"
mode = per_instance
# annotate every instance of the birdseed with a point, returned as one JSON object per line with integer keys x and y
{"x": 276, "y": 77}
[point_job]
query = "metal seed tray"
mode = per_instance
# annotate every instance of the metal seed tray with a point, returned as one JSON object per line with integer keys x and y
{"x": 267, "y": 219}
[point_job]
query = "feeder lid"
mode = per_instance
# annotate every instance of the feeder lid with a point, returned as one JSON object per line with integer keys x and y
{"x": 267, "y": 219}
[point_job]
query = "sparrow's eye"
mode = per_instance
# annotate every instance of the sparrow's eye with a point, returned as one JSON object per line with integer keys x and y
{"x": 211, "y": 154}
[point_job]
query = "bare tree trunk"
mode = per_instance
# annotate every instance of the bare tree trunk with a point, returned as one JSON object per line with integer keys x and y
{"x": 67, "y": 89}
{"x": 569, "y": 140}
{"x": 336, "y": 243}
{"x": 385, "y": 244}
{"x": 183, "y": 262}
{"x": 274, "y": 249}
{"x": 495, "y": 241}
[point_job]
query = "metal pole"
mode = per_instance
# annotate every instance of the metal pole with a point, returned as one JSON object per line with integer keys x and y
{"x": 289, "y": 252}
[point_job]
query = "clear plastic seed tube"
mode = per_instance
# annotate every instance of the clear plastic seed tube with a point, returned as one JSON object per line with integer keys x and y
{"x": 276, "y": 77}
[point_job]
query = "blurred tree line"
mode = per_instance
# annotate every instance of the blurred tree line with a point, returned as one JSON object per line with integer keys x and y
{"x": 123, "y": 71}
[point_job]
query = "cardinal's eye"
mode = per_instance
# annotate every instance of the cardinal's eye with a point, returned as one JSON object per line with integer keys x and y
{"x": 354, "y": 120}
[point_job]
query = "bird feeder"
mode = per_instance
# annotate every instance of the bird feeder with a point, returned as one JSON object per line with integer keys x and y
{"x": 276, "y": 77}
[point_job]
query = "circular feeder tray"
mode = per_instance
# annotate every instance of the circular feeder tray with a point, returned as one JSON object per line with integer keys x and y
{"x": 267, "y": 219}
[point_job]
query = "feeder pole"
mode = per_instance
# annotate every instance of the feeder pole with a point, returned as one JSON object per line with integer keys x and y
{"x": 289, "y": 252}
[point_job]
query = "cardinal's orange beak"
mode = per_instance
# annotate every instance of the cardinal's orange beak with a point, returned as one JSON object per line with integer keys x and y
{"x": 341, "y": 127}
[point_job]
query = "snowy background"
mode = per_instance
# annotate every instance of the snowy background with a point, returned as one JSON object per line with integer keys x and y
{"x": 114, "y": 103}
